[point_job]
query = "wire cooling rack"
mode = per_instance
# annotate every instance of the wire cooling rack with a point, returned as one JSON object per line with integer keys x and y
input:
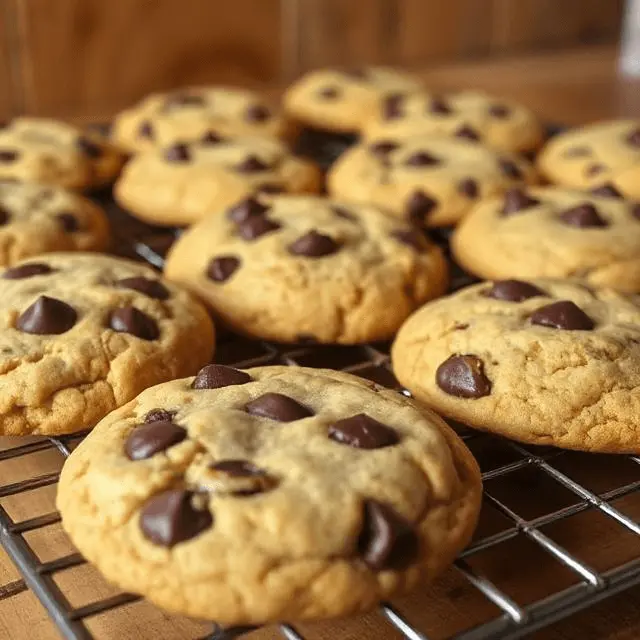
{"x": 569, "y": 520}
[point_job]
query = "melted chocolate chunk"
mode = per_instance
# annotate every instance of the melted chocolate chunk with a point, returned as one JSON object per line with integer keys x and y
{"x": 257, "y": 226}
{"x": 47, "y": 316}
{"x": 607, "y": 190}
{"x": 135, "y": 322}
{"x": 177, "y": 153}
{"x": 252, "y": 164}
{"x": 595, "y": 169}
{"x": 412, "y": 238}
{"x": 392, "y": 106}
{"x": 363, "y": 432}
{"x": 563, "y": 315}
{"x": 145, "y": 130}
{"x": 499, "y": 111}
{"x": 513, "y": 291}
{"x": 169, "y": 518}
{"x": 342, "y": 212}
{"x": 156, "y": 415}
{"x": 634, "y": 138}
{"x": 329, "y": 93}
{"x": 517, "y": 200}
{"x": 467, "y": 133}
{"x": 27, "y": 271}
{"x": 468, "y": 187}
{"x": 510, "y": 169}
{"x": 419, "y": 206}
{"x": 421, "y": 159}
{"x": 313, "y": 245}
{"x": 153, "y": 437}
{"x": 383, "y": 148}
{"x": 258, "y": 113}
{"x": 584, "y": 216}
{"x": 68, "y": 222}
{"x": 220, "y": 269}
{"x": 463, "y": 376}
{"x": 8, "y": 156}
{"x": 211, "y": 138}
{"x": 238, "y": 468}
{"x": 5, "y": 215}
{"x": 215, "y": 376}
{"x": 150, "y": 288}
{"x": 89, "y": 148}
{"x": 276, "y": 406}
{"x": 440, "y": 106}
{"x": 245, "y": 209}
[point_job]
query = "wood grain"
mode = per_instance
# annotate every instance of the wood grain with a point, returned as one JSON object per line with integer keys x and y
{"x": 91, "y": 56}
{"x": 9, "y": 100}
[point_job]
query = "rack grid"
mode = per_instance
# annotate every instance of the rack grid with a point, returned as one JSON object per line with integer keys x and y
{"x": 531, "y": 491}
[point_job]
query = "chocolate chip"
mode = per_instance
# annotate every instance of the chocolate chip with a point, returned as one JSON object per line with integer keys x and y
{"x": 634, "y": 138}
{"x": 341, "y": 212}
{"x": 419, "y": 206}
{"x": 513, "y": 291}
{"x": 90, "y": 148}
{"x": 148, "y": 439}
{"x": 211, "y": 138}
{"x": 499, "y": 111}
{"x": 468, "y": 187}
{"x": 421, "y": 159}
{"x": 383, "y": 148}
{"x": 329, "y": 93}
{"x": 270, "y": 189}
{"x": 258, "y": 113}
{"x": 387, "y": 540}
{"x": 635, "y": 211}
{"x": 440, "y": 105}
{"x": 583, "y": 215}
{"x": 313, "y": 245}
{"x": 27, "y": 271}
{"x": 412, "y": 238}
{"x": 7, "y": 156}
{"x": 276, "y": 406}
{"x": 169, "y": 518}
{"x": 145, "y": 130}
{"x": 251, "y": 164}
{"x": 150, "y": 288}
{"x": 257, "y": 226}
{"x": 606, "y": 190}
{"x": 392, "y": 106}
{"x": 5, "y": 215}
{"x": 467, "y": 133}
{"x": 245, "y": 209}
{"x": 220, "y": 269}
{"x": 68, "y": 222}
{"x": 47, "y": 316}
{"x": 133, "y": 321}
{"x": 463, "y": 376}
{"x": 563, "y": 315}
{"x": 517, "y": 200}
{"x": 177, "y": 153}
{"x": 595, "y": 169}
{"x": 577, "y": 152}
{"x": 157, "y": 415}
{"x": 510, "y": 169}
{"x": 362, "y": 432}
{"x": 215, "y": 376}
{"x": 238, "y": 468}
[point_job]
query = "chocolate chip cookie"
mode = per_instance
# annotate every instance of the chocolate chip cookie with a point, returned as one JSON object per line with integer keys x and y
{"x": 183, "y": 183}
{"x": 162, "y": 119}
{"x": 82, "y": 334}
{"x": 56, "y": 153}
{"x": 274, "y": 494}
{"x": 343, "y": 101}
{"x": 553, "y": 233}
{"x": 470, "y": 115}
{"x": 433, "y": 181}
{"x": 286, "y": 268}
{"x": 37, "y": 219}
{"x": 547, "y": 362}
{"x": 603, "y": 158}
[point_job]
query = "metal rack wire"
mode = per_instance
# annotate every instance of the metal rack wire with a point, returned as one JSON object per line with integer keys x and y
{"x": 503, "y": 463}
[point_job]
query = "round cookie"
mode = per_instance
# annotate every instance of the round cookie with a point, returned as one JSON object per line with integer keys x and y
{"x": 343, "y": 101}
{"x": 186, "y": 182}
{"x": 429, "y": 180}
{"x": 603, "y": 158}
{"x": 548, "y": 362}
{"x": 56, "y": 153}
{"x": 37, "y": 219}
{"x": 82, "y": 334}
{"x": 295, "y": 268}
{"x": 552, "y": 233}
{"x": 332, "y": 492}
{"x": 470, "y": 115}
{"x": 162, "y": 119}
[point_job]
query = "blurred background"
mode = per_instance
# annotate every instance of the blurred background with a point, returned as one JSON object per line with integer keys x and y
{"x": 88, "y": 58}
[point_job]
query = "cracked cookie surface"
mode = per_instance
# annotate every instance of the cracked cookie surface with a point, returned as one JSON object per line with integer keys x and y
{"x": 539, "y": 361}
{"x": 36, "y": 219}
{"x": 270, "y": 494}
{"x": 553, "y": 233}
{"x": 82, "y": 334}
{"x": 286, "y": 268}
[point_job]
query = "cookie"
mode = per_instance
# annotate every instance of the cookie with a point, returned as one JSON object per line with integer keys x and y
{"x": 547, "y": 362}
{"x": 603, "y": 158}
{"x": 433, "y": 181}
{"x": 470, "y": 115}
{"x": 56, "y": 153}
{"x": 294, "y": 268}
{"x": 82, "y": 334}
{"x": 162, "y": 119}
{"x": 186, "y": 182}
{"x": 37, "y": 219}
{"x": 275, "y": 493}
{"x": 553, "y": 233}
{"x": 343, "y": 101}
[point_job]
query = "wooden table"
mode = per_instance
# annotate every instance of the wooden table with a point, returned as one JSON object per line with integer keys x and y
{"x": 572, "y": 88}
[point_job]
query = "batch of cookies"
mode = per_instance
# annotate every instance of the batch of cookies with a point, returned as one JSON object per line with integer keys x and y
{"x": 286, "y": 493}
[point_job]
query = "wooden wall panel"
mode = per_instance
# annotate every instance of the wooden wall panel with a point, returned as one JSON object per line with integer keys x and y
{"x": 93, "y": 56}
{"x": 8, "y": 92}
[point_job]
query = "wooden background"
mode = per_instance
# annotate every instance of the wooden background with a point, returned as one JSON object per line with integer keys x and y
{"x": 73, "y": 58}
